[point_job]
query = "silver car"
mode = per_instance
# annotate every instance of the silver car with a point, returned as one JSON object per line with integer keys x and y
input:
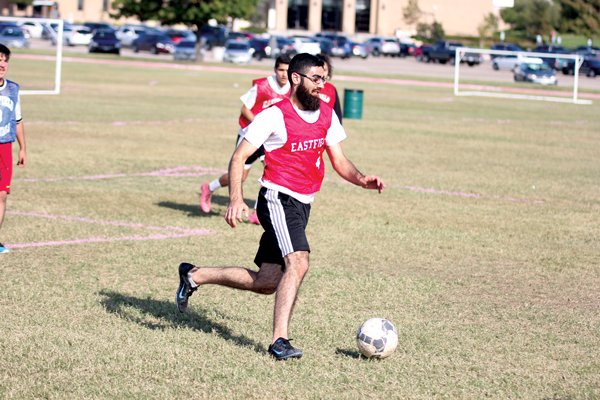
{"x": 238, "y": 52}
{"x": 185, "y": 50}
{"x": 14, "y": 37}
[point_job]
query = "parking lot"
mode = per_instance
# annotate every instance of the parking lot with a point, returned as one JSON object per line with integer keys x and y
{"x": 408, "y": 66}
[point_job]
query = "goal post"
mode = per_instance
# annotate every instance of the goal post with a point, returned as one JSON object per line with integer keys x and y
{"x": 578, "y": 60}
{"x": 58, "y": 35}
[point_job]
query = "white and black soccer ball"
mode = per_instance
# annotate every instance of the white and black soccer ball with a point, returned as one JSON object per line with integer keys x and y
{"x": 377, "y": 338}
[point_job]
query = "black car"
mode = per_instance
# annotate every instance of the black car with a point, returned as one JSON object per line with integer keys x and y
{"x": 341, "y": 46}
{"x": 407, "y": 49}
{"x": 95, "y": 26}
{"x": 155, "y": 43}
{"x": 105, "y": 41}
{"x": 587, "y": 51}
{"x": 262, "y": 48}
{"x": 505, "y": 47}
{"x": 556, "y": 63}
{"x": 214, "y": 35}
{"x": 326, "y": 45}
{"x": 590, "y": 67}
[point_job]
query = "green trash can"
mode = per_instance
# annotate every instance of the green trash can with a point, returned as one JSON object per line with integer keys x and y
{"x": 353, "y": 102}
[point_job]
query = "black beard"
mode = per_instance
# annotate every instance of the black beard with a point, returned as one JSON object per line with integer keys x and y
{"x": 308, "y": 101}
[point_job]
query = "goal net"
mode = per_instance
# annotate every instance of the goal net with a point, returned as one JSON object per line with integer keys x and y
{"x": 51, "y": 28}
{"x": 524, "y": 66}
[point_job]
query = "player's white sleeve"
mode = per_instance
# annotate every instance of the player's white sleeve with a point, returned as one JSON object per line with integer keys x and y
{"x": 249, "y": 98}
{"x": 268, "y": 129}
{"x": 18, "y": 115}
{"x": 336, "y": 132}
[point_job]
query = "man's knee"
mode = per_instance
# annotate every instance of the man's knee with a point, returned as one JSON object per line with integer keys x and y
{"x": 297, "y": 263}
{"x": 268, "y": 278}
{"x": 3, "y": 196}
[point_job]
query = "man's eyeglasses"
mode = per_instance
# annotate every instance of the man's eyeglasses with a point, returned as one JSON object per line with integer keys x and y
{"x": 316, "y": 79}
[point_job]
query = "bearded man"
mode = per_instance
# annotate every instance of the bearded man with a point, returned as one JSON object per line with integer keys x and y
{"x": 294, "y": 132}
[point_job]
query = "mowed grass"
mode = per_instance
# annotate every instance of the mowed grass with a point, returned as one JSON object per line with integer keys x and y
{"x": 491, "y": 277}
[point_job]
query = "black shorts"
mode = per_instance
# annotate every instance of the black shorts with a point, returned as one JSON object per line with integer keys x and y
{"x": 284, "y": 220}
{"x": 259, "y": 153}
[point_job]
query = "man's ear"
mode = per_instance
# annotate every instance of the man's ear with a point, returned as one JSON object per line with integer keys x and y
{"x": 296, "y": 78}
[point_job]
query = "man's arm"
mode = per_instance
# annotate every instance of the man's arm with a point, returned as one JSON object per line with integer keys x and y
{"x": 237, "y": 207}
{"x": 246, "y": 112}
{"x": 348, "y": 171}
{"x": 21, "y": 140}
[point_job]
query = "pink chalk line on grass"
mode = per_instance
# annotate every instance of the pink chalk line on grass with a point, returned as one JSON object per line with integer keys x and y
{"x": 122, "y": 123}
{"x": 173, "y": 231}
{"x": 178, "y": 172}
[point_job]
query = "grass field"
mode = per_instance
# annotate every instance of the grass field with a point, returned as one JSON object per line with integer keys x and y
{"x": 483, "y": 250}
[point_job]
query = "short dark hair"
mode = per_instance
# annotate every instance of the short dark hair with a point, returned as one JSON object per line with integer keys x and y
{"x": 5, "y": 50}
{"x": 282, "y": 59}
{"x": 327, "y": 60}
{"x": 302, "y": 63}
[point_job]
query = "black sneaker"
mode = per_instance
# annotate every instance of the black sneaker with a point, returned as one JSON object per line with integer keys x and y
{"x": 282, "y": 349}
{"x": 185, "y": 287}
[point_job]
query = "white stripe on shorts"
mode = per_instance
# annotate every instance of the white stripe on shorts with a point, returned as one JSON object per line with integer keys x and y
{"x": 277, "y": 215}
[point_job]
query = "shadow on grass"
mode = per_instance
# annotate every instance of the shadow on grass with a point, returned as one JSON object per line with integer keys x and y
{"x": 194, "y": 210}
{"x": 348, "y": 353}
{"x": 147, "y": 311}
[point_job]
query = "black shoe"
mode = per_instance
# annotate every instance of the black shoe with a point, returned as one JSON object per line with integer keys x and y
{"x": 282, "y": 349}
{"x": 185, "y": 287}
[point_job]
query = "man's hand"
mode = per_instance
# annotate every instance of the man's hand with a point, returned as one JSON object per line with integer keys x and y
{"x": 22, "y": 158}
{"x": 372, "y": 182}
{"x": 234, "y": 212}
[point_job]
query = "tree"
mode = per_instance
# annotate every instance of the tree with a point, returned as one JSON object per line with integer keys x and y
{"x": 411, "y": 13}
{"x": 437, "y": 31}
{"x": 581, "y": 17}
{"x": 534, "y": 17}
{"x": 487, "y": 27}
{"x": 194, "y": 13}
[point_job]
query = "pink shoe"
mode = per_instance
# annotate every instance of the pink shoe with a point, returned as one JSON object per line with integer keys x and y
{"x": 254, "y": 218}
{"x": 205, "y": 198}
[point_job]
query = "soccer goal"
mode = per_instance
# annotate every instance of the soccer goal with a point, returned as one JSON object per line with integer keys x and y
{"x": 53, "y": 27}
{"x": 516, "y": 93}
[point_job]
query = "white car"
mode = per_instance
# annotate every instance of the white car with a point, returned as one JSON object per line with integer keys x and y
{"x": 238, "y": 52}
{"x": 511, "y": 61}
{"x": 128, "y": 33}
{"x": 385, "y": 46}
{"x": 304, "y": 44}
{"x": 34, "y": 28}
{"x": 77, "y": 35}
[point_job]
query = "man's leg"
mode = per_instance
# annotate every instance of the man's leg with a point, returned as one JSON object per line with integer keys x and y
{"x": 264, "y": 281}
{"x": 296, "y": 266}
{"x": 3, "y": 197}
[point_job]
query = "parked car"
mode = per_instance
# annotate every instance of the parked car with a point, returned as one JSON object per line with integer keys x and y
{"x": 14, "y": 37}
{"x": 236, "y": 36}
{"x": 128, "y": 33}
{"x": 445, "y": 51}
{"x": 178, "y": 36}
{"x": 238, "y": 51}
{"x": 214, "y": 35}
{"x": 511, "y": 61}
{"x": 185, "y": 50}
{"x": 536, "y": 73}
{"x": 421, "y": 51}
{"x": 105, "y": 41}
{"x": 326, "y": 45}
{"x": 77, "y": 35}
{"x": 154, "y": 43}
{"x": 590, "y": 67}
{"x": 505, "y": 47}
{"x": 387, "y": 47}
{"x": 51, "y": 30}
{"x": 262, "y": 48}
{"x": 33, "y": 27}
{"x": 304, "y": 44}
{"x": 341, "y": 45}
{"x": 407, "y": 49}
{"x": 587, "y": 51}
{"x": 556, "y": 63}
{"x": 95, "y": 26}
{"x": 361, "y": 50}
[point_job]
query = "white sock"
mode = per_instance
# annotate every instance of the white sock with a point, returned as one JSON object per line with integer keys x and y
{"x": 214, "y": 185}
{"x": 192, "y": 283}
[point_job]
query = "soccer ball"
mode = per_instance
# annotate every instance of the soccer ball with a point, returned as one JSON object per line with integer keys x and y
{"x": 377, "y": 338}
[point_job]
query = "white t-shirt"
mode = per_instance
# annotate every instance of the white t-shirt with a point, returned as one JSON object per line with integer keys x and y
{"x": 18, "y": 115}
{"x": 250, "y": 97}
{"x": 268, "y": 129}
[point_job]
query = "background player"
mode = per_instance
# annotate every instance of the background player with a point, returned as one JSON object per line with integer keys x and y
{"x": 11, "y": 129}
{"x": 295, "y": 132}
{"x": 329, "y": 93}
{"x": 264, "y": 93}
